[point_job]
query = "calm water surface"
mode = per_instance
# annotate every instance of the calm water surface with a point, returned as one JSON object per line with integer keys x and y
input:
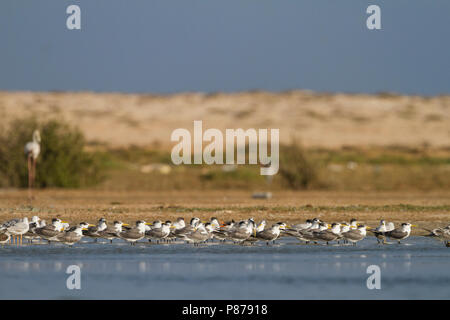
{"x": 418, "y": 269}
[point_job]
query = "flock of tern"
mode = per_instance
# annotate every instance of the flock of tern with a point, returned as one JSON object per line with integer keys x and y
{"x": 197, "y": 231}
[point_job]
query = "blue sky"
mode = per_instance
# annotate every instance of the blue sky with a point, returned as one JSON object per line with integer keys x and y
{"x": 166, "y": 46}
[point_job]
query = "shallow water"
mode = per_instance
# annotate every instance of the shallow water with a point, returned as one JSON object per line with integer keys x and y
{"x": 417, "y": 269}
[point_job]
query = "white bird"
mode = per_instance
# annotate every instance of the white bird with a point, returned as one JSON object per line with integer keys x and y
{"x": 182, "y": 232}
{"x": 201, "y": 233}
{"x": 73, "y": 236}
{"x": 112, "y": 233}
{"x": 261, "y": 226}
{"x": 50, "y": 232}
{"x": 329, "y": 235}
{"x": 215, "y": 223}
{"x": 353, "y": 224}
{"x": 310, "y": 234}
{"x": 159, "y": 233}
{"x": 134, "y": 234}
{"x": 35, "y": 223}
{"x": 345, "y": 227}
{"x": 93, "y": 231}
{"x": 19, "y": 228}
{"x": 355, "y": 235}
{"x": 32, "y": 150}
{"x": 382, "y": 229}
{"x": 270, "y": 234}
{"x": 177, "y": 225}
{"x": 400, "y": 233}
{"x": 242, "y": 232}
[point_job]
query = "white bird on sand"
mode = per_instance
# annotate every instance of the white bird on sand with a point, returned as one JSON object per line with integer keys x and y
{"x": 32, "y": 150}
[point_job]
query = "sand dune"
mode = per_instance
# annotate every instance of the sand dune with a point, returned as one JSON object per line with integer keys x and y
{"x": 319, "y": 120}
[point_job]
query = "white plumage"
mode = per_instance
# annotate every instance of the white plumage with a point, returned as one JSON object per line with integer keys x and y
{"x": 19, "y": 228}
{"x": 33, "y": 148}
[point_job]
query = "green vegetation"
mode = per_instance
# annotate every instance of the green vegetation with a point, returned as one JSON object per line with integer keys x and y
{"x": 66, "y": 162}
{"x": 296, "y": 169}
{"x": 374, "y": 169}
{"x": 61, "y": 163}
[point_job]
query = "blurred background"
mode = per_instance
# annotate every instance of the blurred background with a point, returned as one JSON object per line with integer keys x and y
{"x": 357, "y": 109}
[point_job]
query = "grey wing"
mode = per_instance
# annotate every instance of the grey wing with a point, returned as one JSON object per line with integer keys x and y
{"x": 69, "y": 237}
{"x": 291, "y": 232}
{"x": 396, "y": 233}
{"x": 157, "y": 233}
{"x": 108, "y": 233}
{"x": 90, "y": 231}
{"x": 132, "y": 234}
{"x": 307, "y": 235}
{"x": 265, "y": 235}
{"x": 238, "y": 234}
{"x": 326, "y": 235}
{"x": 10, "y": 223}
{"x": 353, "y": 235}
{"x": 20, "y": 226}
{"x": 47, "y": 231}
{"x": 198, "y": 236}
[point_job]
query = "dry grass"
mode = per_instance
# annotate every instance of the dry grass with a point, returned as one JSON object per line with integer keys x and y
{"x": 425, "y": 209}
{"x": 317, "y": 120}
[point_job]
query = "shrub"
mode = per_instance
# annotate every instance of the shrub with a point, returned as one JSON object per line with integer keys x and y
{"x": 61, "y": 163}
{"x": 296, "y": 170}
